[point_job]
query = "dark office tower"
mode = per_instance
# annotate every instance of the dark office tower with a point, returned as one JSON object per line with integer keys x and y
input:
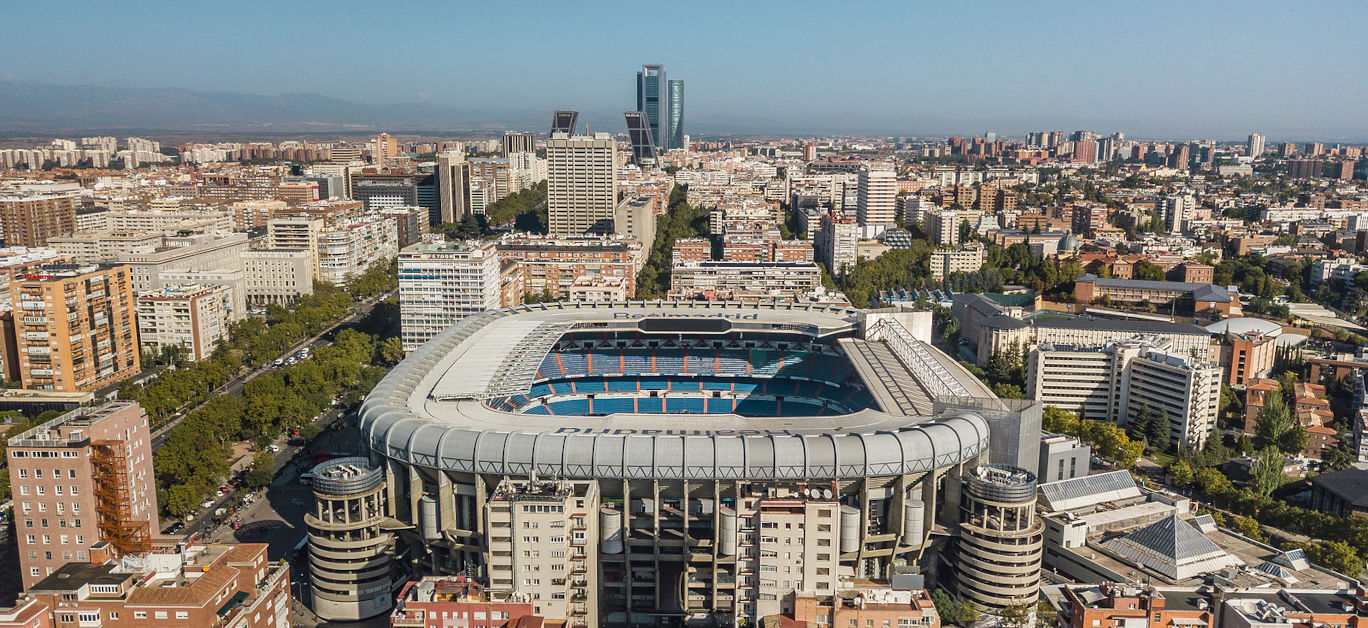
{"x": 653, "y": 100}
{"x": 564, "y": 122}
{"x": 643, "y": 146}
{"x": 519, "y": 142}
{"x": 675, "y": 138}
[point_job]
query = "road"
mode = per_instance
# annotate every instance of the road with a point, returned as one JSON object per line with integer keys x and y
{"x": 234, "y": 386}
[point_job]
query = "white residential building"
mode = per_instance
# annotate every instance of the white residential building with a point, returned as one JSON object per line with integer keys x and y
{"x": 442, "y": 283}
{"x": 964, "y": 260}
{"x": 191, "y": 316}
{"x": 1113, "y": 382}
{"x": 581, "y": 183}
{"x": 279, "y": 277}
{"x": 877, "y": 203}
{"x": 348, "y": 249}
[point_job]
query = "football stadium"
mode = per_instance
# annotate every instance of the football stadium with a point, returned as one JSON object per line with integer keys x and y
{"x": 682, "y": 461}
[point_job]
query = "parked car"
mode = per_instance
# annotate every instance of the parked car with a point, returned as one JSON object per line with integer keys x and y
{"x": 207, "y": 503}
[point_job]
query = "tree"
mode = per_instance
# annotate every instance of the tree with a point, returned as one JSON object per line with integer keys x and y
{"x": 1147, "y": 271}
{"x": 258, "y": 478}
{"x": 1016, "y": 615}
{"x": 1249, "y": 527}
{"x": 310, "y": 431}
{"x": 1294, "y": 441}
{"x": 1275, "y": 420}
{"x": 1160, "y": 431}
{"x": 1337, "y": 555}
{"x": 1140, "y": 425}
{"x": 1008, "y": 391}
{"x": 390, "y": 350}
{"x": 1180, "y": 472}
{"x": 1266, "y": 473}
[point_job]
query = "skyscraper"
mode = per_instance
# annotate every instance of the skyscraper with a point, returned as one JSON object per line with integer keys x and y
{"x": 675, "y": 136}
{"x": 519, "y": 142}
{"x": 878, "y": 197}
{"x": 643, "y": 143}
{"x": 581, "y": 191}
{"x": 453, "y": 187}
{"x": 1256, "y": 144}
{"x": 563, "y": 121}
{"x": 652, "y": 99}
{"x": 663, "y": 103}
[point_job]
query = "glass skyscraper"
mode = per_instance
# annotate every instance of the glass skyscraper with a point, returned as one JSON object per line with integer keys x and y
{"x": 663, "y": 103}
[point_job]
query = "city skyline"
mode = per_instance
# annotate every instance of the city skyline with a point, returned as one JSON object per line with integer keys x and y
{"x": 1179, "y": 71}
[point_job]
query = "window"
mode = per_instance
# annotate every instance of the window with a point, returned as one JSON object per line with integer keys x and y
{"x": 139, "y": 614}
{"x": 159, "y": 614}
{"x": 186, "y": 615}
{"x": 113, "y": 615}
{"x": 33, "y": 571}
{"x": 23, "y": 473}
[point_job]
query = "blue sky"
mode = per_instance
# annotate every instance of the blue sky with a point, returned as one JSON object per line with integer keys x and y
{"x": 1293, "y": 70}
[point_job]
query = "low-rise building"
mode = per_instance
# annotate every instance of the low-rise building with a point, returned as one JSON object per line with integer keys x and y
{"x": 1201, "y": 297}
{"x": 434, "y": 601}
{"x": 550, "y": 264}
{"x": 862, "y": 607}
{"x": 201, "y": 585}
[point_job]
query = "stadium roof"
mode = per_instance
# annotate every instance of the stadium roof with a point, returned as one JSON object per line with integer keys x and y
{"x": 430, "y": 410}
{"x": 1245, "y": 325}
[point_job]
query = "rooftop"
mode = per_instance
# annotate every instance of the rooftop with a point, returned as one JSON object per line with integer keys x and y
{"x": 1351, "y": 485}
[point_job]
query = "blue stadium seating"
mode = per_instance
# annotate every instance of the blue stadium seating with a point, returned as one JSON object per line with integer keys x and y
{"x": 714, "y": 384}
{"x": 569, "y": 407}
{"x": 539, "y": 390}
{"x": 589, "y": 385}
{"x": 654, "y": 384}
{"x": 537, "y": 409}
{"x": 609, "y": 406}
{"x": 719, "y": 406}
{"x": 757, "y": 407}
{"x": 684, "y": 385}
{"x": 692, "y": 405}
{"x": 651, "y": 405}
{"x": 621, "y": 385}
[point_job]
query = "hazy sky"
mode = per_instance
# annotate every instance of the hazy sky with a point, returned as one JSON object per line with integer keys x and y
{"x": 1152, "y": 69}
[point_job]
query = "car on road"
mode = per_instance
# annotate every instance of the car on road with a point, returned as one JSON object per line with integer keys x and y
{"x": 279, "y": 362}
{"x": 174, "y": 528}
{"x": 207, "y": 503}
{"x": 274, "y": 448}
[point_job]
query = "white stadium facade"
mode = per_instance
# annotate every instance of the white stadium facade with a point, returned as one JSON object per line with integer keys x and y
{"x": 679, "y": 462}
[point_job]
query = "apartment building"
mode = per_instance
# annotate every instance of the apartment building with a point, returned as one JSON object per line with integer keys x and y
{"x": 30, "y": 220}
{"x": 835, "y": 242}
{"x": 136, "y": 220}
{"x": 202, "y": 585}
{"x": 864, "y": 607}
{"x": 747, "y": 250}
{"x": 348, "y": 249}
{"x": 877, "y": 203}
{"x": 295, "y": 233}
{"x": 744, "y": 281}
{"x": 1108, "y": 604}
{"x": 691, "y": 251}
{"x": 963, "y": 260}
{"x": 277, "y": 276}
{"x": 74, "y": 326}
{"x": 785, "y": 545}
{"x": 189, "y": 316}
{"x": 550, "y": 264}
{"x": 184, "y": 252}
{"x": 441, "y": 283}
{"x": 249, "y": 215}
{"x": 1249, "y": 348}
{"x": 410, "y": 222}
{"x": 942, "y": 226}
{"x": 543, "y": 545}
{"x": 581, "y": 174}
{"x": 15, "y": 261}
{"x": 434, "y": 600}
{"x": 1114, "y": 382}
{"x": 635, "y": 219}
{"x": 82, "y": 481}
{"x": 93, "y": 247}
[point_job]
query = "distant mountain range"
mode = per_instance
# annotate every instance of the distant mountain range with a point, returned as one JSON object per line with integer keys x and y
{"x": 33, "y": 107}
